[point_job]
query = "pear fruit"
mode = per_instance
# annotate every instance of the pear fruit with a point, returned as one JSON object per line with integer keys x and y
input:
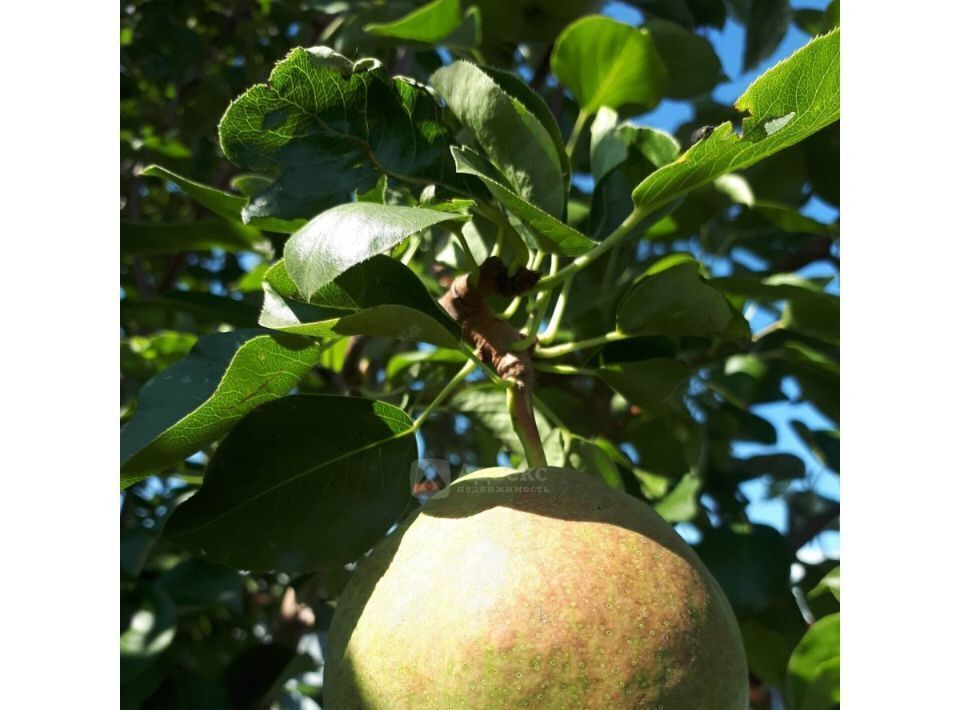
{"x": 544, "y": 589}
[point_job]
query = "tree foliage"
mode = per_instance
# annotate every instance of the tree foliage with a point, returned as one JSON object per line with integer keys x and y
{"x": 301, "y": 182}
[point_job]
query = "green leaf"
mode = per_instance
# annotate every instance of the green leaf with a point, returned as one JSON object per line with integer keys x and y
{"x": 607, "y": 63}
{"x": 752, "y": 566}
{"x": 649, "y": 384}
{"x": 824, "y": 443}
{"x": 347, "y": 234}
{"x": 379, "y": 296}
{"x": 817, "y": 375}
{"x": 817, "y": 317}
{"x": 143, "y": 356}
{"x": 682, "y": 503}
{"x": 304, "y": 482}
{"x": 767, "y": 23}
{"x": 520, "y": 90}
{"x": 513, "y": 137}
{"x": 553, "y": 235}
{"x": 221, "y": 203}
{"x": 677, "y": 301}
{"x": 621, "y": 156}
{"x": 786, "y": 104}
{"x": 693, "y": 68}
{"x": 326, "y": 127}
{"x": 598, "y": 457}
{"x": 830, "y": 584}
{"x": 195, "y": 583}
{"x": 195, "y": 402}
{"x": 666, "y": 445}
{"x": 813, "y": 681}
{"x": 201, "y": 304}
{"x": 612, "y": 144}
{"x": 429, "y": 23}
{"x": 204, "y": 235}
{"x": 781, "y": 467}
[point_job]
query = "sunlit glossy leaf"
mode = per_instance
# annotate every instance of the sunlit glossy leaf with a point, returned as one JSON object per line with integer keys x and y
{"x": 512, "y": 137}
{"x": 607, "y": 63}
{"x": 682, "y": 502}
{"x": 348, "y": 234}
{"x": 813, "y": 681}
{"x": 521, "y": 91}
{"x": 304, "y": 482}
{"x": 621, "y": 156}
{"x": 786, "y": 104}
{"x": 379, "y": 296}
{"x": 428, "y": 23}
{"x": 198, "y": 400}
{"x": 553, "y": 235}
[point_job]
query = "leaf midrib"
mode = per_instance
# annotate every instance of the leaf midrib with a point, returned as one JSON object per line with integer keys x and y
{"x": 307, "y": 472}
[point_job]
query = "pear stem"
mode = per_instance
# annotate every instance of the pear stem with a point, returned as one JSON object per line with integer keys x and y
{"x": 520, "y": 407}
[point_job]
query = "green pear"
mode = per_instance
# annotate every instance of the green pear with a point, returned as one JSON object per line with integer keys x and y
{"x": 544, "y": 588}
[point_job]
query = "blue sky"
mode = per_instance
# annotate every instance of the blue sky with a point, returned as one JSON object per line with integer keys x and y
{"x": 668, "y": 116}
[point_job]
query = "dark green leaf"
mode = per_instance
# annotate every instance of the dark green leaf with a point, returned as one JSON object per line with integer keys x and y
{"x": 148, "y": 623}
{"x": 673, "y": 299}
{"x": 753, "y": 566}
{"x": 817, "y": 375}
{"x": 304, "y": 482}
{"x": 767, "y": 22}
{"x": 693, "y": 68}
{"x": 379, "y": 296}
{"x": 729, "y": 422}
{"x": 778, "y": 466}
{"x": 607, "y": 63}
{"x": 553, "y": 235}
{"x": 348, "y": 234}
{"x": 255, "y": 677}
{"x": 195, "y": 583}
{"x": 666, "y": 446}
{"x": 786, "y": 104}
{"x": 649, "y": 384}
{"x": 325, "y": 127}
{"x": 204, "y": 235}
{"x": 824, "y": 443}
{"x": 196, "y": 401}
